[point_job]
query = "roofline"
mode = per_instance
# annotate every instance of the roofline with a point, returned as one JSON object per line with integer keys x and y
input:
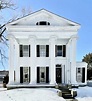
{"x": 60, "y": 16}
{"x": 44, "y": 10}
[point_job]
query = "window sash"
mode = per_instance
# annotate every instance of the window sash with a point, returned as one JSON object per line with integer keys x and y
{"x": 60, "y": 50}
{"x": 24, "y": 50}
{"x": 42, "y": 50}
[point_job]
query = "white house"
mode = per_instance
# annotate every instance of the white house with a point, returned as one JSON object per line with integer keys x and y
{"x": 42, "y": 50}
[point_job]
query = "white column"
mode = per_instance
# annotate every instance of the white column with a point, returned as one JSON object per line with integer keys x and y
{"x": 17, "y": 67}
{"x": 73, "y": 60}
{"x": 52, "y": 60}
{"x": 32, "y": 60}
{"x": 68, "y": 70}
{"x": 11, "y": 59}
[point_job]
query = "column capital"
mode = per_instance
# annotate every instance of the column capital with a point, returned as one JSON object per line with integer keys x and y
{"x": 31, "y": 37}
{"x": 53, "y": 38}
{"x": 74, "y": 37}
{"x": 10, "y": 36}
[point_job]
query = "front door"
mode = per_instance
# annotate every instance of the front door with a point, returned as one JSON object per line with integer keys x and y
{"x": 58, "y": 75}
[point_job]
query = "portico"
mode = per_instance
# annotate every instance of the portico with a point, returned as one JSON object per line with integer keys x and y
{"x": 43, "y": 50}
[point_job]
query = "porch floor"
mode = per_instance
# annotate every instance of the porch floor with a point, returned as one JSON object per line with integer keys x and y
{"x": 13, "y": 86}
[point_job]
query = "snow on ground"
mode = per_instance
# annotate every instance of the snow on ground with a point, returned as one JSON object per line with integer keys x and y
{"x": 84, "y": 93}
{"x": 31, "y": 94}
{"x": 42, "y": 94}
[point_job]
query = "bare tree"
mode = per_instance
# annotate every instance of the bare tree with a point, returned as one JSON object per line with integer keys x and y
{"x": 25, "y": 11}
{"x": 7, "y": 4}
{"x": 4, "y": 4}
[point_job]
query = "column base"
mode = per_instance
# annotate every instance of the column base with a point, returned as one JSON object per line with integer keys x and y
{"x": 53, "y": 82}
{"x": 32, "y": 82}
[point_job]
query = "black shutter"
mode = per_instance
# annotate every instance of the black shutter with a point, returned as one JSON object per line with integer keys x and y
{"x": 38, "y": 51}
{"x": 47, "y": 50}
{"x": 21, "y": 50}
{"x": 64, "y": 50}
{"x": 21, "y": 74}
{"x": 38, "y": 74}
{"x": 55, "y": 50}
{"x": 83, "y": 75}
{"x": 29, "y": 50}
{"x": 29, "y": 74}
{"x": 47, "y": 74}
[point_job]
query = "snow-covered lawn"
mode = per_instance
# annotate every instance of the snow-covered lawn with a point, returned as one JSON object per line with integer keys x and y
{"x": 32, "y": 94}
{"x": 84, "y": 93}
{"x": 42, "y": 94}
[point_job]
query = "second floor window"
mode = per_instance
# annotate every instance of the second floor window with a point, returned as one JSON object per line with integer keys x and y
{"x": 24, "y": 50}
{"x": 42, "y": 50}
{"x": 60, "y": 50}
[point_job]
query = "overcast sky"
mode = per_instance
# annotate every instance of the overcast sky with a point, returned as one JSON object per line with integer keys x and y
{"x": 79, "y": 11}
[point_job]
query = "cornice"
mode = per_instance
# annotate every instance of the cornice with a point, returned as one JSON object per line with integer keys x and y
{"x": 42, "y": 28}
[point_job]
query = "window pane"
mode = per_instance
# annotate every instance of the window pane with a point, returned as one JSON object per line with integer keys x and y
{"x": 42, "y": 50}
{"x": 42, "y": 23}
{"x": 59, "y": 51}
{"x": 25, "y": 51}
{"x": 79, "y": 70}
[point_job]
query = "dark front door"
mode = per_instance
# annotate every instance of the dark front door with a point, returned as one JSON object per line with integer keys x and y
{"x": 58, "y": 75}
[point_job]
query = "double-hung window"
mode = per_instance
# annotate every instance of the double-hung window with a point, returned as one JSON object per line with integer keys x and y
{"x": 60, "y": 50}
{"x": 42, "y": 50}
{"x": 24, "y": 50}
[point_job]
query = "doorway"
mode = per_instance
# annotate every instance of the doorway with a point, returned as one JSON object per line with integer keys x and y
{"x": 58, "y": 75}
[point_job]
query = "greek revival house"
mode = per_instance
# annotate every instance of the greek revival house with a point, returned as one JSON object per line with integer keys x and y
{"x": 42, "y": 51}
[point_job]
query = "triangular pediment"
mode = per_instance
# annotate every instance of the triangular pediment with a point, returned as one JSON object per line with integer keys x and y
{"x": 43, "y": 16}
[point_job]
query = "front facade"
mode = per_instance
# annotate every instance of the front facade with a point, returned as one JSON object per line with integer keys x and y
{"x": 43, "y": 50}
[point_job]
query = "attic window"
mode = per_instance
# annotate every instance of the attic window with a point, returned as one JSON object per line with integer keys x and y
{"x": 43, "y": 23}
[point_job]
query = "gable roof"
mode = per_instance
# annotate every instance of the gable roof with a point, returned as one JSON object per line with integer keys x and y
{"x": 44, "y": 11}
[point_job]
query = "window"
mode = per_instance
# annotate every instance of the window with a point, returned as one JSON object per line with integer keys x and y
{"x": 60, "y": 50}
{"x": 24, "y": 50}
{"x": 79, "y": 70}
{"x": 43, "y": 23}
{"x": 42, "y": 50}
